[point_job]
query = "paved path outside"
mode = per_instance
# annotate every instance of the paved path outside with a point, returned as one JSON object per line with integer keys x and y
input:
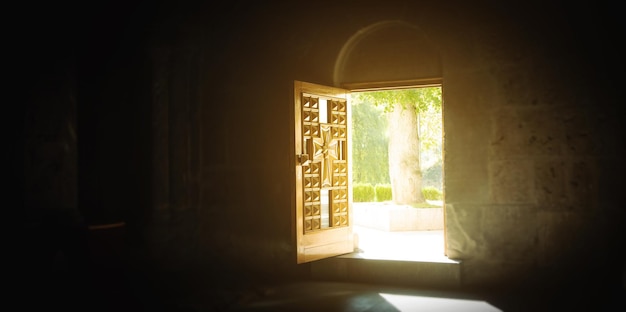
{"x": 403, "y": 245}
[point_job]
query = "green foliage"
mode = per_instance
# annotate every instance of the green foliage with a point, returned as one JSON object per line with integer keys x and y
{"x": 369, "y": 144}
{"x": 383, "y": 192}
{"x": 431, "y": 137}
{"x": 432, "y": 193}
{"x": 363, "y": 192}
{"x": 420, "y": 99}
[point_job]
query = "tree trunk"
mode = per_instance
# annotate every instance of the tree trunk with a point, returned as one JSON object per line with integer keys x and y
{"x": 404, "y": 157}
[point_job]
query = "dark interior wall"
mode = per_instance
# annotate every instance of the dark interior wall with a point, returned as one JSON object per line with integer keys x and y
{"x": 85, "y": 62}
{"x": 185, "y": 131}
{"x": 228, "y": 202}
{"x": 85, "y": 115}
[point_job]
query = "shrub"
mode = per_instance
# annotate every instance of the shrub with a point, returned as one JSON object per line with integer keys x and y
{"x": 363, "y": 192}
{"x": 383, "y": 192}
{"x": 432, "y": 193}
{"x": 432, "y": 176}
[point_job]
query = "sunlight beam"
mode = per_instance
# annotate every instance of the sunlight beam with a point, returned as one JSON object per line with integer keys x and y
{"x": 406, "y": 303}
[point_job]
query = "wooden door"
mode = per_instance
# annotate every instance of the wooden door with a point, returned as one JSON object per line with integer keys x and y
{"x": 323, "y": 178}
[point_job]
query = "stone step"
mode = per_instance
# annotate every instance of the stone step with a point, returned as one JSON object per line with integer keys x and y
{"x": 351, "y": 268}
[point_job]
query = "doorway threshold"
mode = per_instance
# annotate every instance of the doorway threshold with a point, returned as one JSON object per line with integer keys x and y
{"x": 414, "y": 246}
{"x": 407, "y": 258}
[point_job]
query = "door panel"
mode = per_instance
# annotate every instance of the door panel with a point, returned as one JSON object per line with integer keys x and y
{"x": 323, "y": 192}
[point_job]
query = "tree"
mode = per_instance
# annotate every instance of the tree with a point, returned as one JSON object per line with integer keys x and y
{"x": 402, "y": 108}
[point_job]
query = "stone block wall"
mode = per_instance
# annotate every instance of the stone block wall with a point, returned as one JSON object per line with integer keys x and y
{"x": 523, "y": 181}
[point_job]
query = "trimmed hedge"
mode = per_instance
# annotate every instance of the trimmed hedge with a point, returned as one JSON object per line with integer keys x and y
{"x": 363, "y": 192}
{"x": 383, "y": 192}
{"x": 432, "y": 193}
{"x": 366, "y": 192}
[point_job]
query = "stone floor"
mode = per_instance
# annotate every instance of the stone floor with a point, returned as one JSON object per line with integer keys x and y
{"x": 424, "y": 246}
{"x": 334, "y": 296}
{"x": 116, "y": 289}
{"x": 138, "y": 293}
{"x": 353, "y": 297}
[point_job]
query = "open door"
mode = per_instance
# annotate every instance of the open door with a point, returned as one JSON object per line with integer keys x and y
{"x": 323, "y": 192}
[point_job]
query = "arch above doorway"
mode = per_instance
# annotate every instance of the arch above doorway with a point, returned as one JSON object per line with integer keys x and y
{"x": 391, "y": 50}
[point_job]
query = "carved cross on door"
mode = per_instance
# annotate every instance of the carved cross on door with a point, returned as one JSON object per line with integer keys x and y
{"x": 325, "y": 150}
